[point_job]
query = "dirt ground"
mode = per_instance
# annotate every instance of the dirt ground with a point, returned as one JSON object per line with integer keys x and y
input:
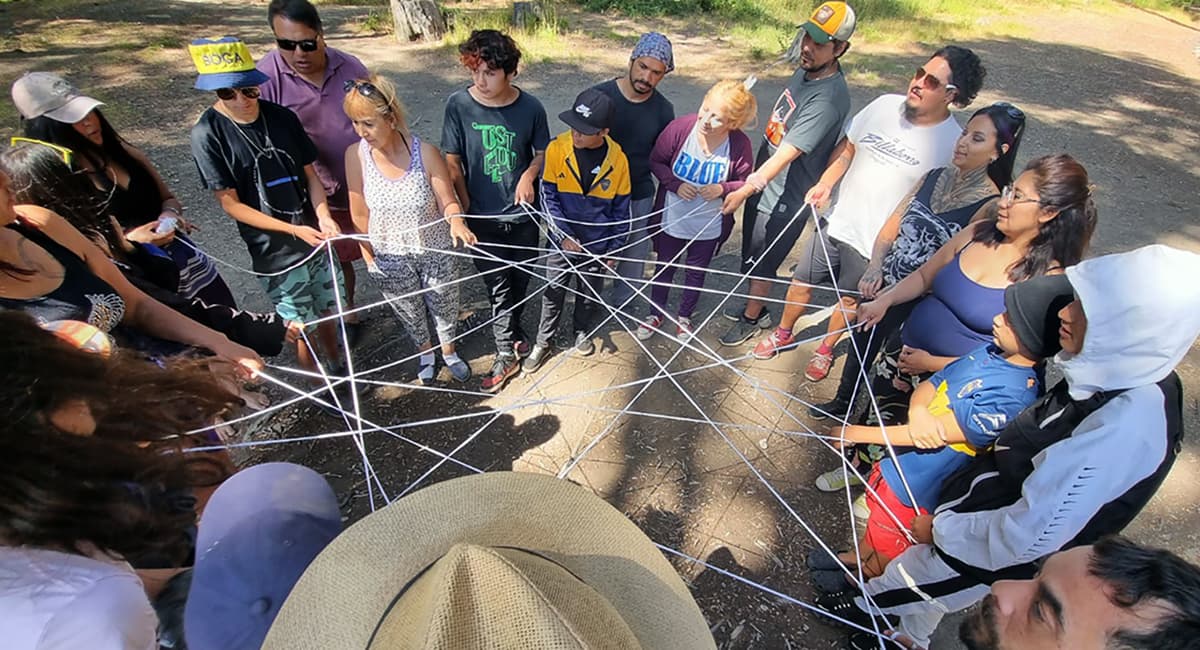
{"x": 1116, "y": 87}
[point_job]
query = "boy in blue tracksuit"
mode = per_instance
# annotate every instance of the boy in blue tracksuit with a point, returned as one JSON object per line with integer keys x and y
{"x": 585, "y": 191}
{"x": 955, "y": 415}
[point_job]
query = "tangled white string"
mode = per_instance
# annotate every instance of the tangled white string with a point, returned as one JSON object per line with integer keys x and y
{"x": 357, "y": 427}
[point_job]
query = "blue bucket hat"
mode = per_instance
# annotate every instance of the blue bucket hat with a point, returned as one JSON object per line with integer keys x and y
{"x": 224, "y": 63}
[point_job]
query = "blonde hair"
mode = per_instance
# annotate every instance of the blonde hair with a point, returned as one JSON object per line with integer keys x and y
{"x": 742, "y": 106}
{"x": 380, "y": 99}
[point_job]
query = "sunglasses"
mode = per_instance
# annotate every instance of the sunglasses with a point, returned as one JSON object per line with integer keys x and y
{"x": 1012, "y": 111}
{"x": 66, "y": 154}
{"x": 307, "y": 45}
{"x": 930, "y": 82}
{"x": 249, "y": 92}
{"x": 364, "y": 88}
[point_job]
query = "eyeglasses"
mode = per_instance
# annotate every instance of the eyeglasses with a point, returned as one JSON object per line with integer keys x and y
{"x": 930, "y": 82}
{"x": 364, "y": 88}
{"x": 66, "y": 154}
{"x": 307, "y": 45}
{"x": 1009, "y": 196}
{"x": 249, "y": 92}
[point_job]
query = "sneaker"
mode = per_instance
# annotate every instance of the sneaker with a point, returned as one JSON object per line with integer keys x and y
{"x": 819, "y": 560}
{"x": 869, "y": 641}
{"x": 833, "y": 409}
{"x": 536, "y": 358}
{"x": 842, "y": 606}
{"x": 459, "y": 370}
{"x": 647, "y": 329}
{"x": 503, "y": 369}
{"x": 831, "y": 582}
{"x": 735, "y": 314}
{"x": 818, "y": 366}
{"x": 684, "y": 330}
{"x": 521, "y": 348}
{"x": 835, "y": 480}
{"x": 583, "y": 344}
{"x": 740, "y": 332}
{"x": 771, "y": 346}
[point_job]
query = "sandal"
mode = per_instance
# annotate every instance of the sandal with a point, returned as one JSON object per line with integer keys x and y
{"x": 426, "y": 372}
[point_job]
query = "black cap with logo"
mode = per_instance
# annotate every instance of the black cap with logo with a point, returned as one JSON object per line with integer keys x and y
{"x": 591, "y": 113}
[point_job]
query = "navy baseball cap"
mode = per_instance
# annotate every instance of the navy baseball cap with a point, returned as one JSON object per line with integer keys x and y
{"x": 591, "y": 113}
{"x": 259, "y": 532}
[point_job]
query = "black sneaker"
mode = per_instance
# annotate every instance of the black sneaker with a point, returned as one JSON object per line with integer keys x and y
{"x": 869, "y": 641}
{"x": 536, "y": 358}
{"x": 833, "y": 409}
{"x": 503, "y": 369}
{"x": 583, "y": 344}
{"x": 842, "y": 606}
{"x": 735, "y": 313}
{"x": 740, "y": 332}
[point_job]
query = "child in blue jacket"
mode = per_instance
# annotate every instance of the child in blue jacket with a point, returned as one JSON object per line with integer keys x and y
{"x": 585, "y": 192}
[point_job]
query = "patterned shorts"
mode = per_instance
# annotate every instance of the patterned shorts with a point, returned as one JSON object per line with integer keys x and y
{"x": 306, "y": 292}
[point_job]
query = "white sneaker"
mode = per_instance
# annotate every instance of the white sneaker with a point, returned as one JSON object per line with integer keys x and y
{"x": 684, "y": 330}
{"x": 836, "y": 479}
{"x": 648, "y": 328}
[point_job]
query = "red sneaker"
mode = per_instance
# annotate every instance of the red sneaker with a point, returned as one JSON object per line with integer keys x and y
{"x": 504, "y": 368}
{"x": 770, "y": 346}
{"x": 818, "y": 366}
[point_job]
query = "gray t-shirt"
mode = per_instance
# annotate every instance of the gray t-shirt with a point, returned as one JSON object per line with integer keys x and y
{"x": 636, "y": 125}
{"x": 809, "y": 116}
{"x": 496, "y": 144}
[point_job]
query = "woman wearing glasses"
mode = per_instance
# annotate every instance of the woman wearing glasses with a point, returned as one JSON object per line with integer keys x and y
{"x": 402, "y": 196}
{"x": 55, "y": 111}
{"x": 937, "y": 207}
{"x": 258, "y": 161}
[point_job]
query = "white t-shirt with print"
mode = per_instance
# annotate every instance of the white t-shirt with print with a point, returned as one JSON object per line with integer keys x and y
{"x": 890, "y": 155}
{"x": 696, "y": 218}
{"x": 61, "y": 601}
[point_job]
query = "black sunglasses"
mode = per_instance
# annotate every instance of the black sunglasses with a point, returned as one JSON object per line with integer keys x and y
{"x": 308, "y": 44}
{"x": 249, "y": 92}
{"x": 365, "y": 88}
{"x": 1012, "y": 111}
{"x": 929, "y": 81}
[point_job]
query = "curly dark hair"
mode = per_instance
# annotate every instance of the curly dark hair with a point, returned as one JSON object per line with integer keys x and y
{"x": 1063, "y": 188}
{"x": 1162, "y": 582}
{"x": 495, "y": 48}
{"x": 39, "y": 176}
{"x": 966, "y": 73}
{"x": 111, "y": 489}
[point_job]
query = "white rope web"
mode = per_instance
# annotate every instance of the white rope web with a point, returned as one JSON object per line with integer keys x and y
{"x": 665, "y": 371}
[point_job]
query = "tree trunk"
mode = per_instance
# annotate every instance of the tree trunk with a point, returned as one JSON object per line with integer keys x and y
{"x": 527, "y": 14}
{"x": 418, "y": 19}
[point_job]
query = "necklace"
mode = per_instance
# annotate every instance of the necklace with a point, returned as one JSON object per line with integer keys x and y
{"x": 270, "y": 152}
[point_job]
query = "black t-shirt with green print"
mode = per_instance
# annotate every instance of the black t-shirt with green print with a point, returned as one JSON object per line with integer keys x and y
{"x": 496, "y": 144}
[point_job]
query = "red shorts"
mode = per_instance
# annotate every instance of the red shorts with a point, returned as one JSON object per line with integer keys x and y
{"x": 347, "y": 250}
{"x": 882, "y": 533}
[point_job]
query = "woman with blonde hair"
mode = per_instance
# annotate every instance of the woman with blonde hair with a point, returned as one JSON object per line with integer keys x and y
{"x": 698, "y": 159}
{"x": 401, "y": 195}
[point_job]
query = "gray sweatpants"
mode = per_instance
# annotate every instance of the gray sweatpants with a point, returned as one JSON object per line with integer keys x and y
{"x": 401, "y": 277}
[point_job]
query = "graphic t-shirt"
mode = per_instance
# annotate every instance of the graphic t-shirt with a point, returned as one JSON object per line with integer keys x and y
{"x": 590, "y": 161}
{"x": 984, "y": 392}
{"x": 696, "y": 219}
{"x": 891, "y": 154}
{"x": 496, "y": 144}
{"x": 635, "y": 126}
{"x": 809, "y": 116}
{"x": 264, "y": 162}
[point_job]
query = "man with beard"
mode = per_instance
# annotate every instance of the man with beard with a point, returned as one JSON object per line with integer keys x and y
{"x": 641, "y": 115}
{"x": 804, "y": 128}
{"x": 1078, "y": 464}
{"x": 1115, "y": 594}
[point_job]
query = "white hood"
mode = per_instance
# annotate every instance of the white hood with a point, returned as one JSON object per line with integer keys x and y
{"x": 1143, "y": 313}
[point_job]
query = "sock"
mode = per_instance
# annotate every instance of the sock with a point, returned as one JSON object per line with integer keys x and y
{"x": 824, "y": 349}
{"x": 751, "y": 320}
{"x": 783, "y": 333}
{"x": 427, "y": 359}
{"x": 451, "y": 358}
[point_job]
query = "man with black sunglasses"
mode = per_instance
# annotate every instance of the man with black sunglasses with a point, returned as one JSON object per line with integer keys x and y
{"x": 307, "y": 76}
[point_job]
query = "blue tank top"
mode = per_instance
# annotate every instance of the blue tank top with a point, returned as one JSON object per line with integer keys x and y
{"x": 956, "y": 317}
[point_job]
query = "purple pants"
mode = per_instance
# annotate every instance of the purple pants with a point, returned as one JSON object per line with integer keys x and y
{"x": 699, "y": 254}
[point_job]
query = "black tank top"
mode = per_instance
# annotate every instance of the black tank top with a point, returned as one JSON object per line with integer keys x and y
{"x": 82, "y": 296}
{"x": 137, "y": 204}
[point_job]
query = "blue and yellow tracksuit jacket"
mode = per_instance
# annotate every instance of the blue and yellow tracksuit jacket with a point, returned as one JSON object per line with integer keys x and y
{"x": 604, "y": 207}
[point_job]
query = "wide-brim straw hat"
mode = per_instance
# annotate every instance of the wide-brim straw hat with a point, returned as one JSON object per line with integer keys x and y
{"x": 497, "y": 560}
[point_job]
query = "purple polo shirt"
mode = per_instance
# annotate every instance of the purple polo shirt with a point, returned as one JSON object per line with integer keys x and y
{"x": 320, "y": 111}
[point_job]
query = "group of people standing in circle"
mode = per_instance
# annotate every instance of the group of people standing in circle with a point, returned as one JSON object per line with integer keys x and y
{"x": 953, "y": 268}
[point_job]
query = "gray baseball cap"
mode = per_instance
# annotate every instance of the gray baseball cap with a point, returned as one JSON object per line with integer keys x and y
{"x": 45, "y": 93}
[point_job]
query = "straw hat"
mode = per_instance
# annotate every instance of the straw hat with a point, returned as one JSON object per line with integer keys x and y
{"x": 497, "y": 560}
